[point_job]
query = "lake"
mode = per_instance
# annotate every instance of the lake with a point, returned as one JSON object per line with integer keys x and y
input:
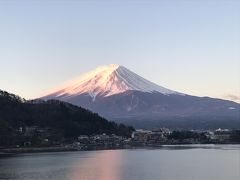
{"x": 196, "y": 162}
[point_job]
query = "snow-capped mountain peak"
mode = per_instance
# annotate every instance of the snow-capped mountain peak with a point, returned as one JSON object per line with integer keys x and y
{"x": 120, "y": 95}
{"x": 109, "y": 80}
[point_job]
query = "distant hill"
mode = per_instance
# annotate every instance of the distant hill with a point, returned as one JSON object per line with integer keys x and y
{"x": 67, "y": 120}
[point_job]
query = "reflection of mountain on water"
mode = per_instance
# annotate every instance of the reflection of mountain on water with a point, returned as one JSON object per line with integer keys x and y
{"x": 105, "y": 165}
{"x": 219, "y": 163}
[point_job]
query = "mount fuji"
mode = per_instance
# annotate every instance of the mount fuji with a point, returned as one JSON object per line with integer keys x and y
{"x": 120, "y": 95}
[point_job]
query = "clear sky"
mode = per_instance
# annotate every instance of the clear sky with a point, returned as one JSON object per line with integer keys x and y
{"x": 191, "y": 46}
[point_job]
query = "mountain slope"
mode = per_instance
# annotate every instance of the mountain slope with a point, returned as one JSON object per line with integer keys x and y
{"x": 68, "y": 120}
{"x": 121, "y": 95}
{"x": 106, "y": 81}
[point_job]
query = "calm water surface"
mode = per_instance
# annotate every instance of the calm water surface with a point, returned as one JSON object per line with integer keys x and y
{"x": 168, "y": 163}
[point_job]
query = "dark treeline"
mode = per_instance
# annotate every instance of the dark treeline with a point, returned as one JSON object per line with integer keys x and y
{"x": 203, "y": 137}
{"x": 181, "y": 135}
{"x": 235, "y": 136}
{"x": 67, "y": 120}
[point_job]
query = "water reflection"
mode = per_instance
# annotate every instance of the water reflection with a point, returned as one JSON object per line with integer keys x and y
{"x": 196, "y": 162}
{"x": 105, "y": 165}
{"x": 93, "y": 165}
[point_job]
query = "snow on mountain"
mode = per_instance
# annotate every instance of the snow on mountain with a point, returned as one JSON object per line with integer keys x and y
{"x": 120, "y": 95}
{"x": 109, "y": 80}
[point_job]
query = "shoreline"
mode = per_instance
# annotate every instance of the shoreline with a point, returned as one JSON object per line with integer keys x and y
{"x": 4, "y": 152}
{"x": 13, "y": 151}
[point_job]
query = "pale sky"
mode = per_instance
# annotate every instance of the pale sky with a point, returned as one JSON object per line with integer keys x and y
{"x": 189, "y": 46}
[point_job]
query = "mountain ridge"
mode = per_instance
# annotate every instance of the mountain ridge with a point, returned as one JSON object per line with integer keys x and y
{"x": 137, "y": 97}
{"x": 109, "y": 80}
{"x": 66, "y": 120}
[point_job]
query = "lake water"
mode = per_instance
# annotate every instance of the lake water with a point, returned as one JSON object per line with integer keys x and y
{"x": 199, "y": 162}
